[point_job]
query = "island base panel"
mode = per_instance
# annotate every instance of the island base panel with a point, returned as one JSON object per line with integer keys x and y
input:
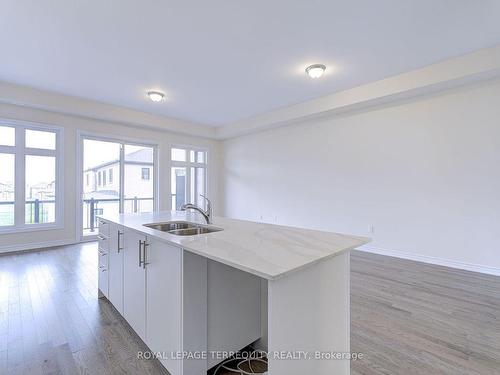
{"x": 308, "y": 311}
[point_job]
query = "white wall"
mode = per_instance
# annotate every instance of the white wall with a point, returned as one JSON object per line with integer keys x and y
{"x": 10, "y": 242}
{"x": 425, "y": 174}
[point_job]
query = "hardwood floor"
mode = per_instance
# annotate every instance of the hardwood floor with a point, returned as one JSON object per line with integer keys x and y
{"x": 51, "y": 321}
{"x": 414, "y": 318}
{"x": 407, "y": 318}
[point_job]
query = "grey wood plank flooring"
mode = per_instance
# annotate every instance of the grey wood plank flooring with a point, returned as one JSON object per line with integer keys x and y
{"x": 51, "y": 321}
{"x": 407, "y": 318}
{"x": 413, "y": 318}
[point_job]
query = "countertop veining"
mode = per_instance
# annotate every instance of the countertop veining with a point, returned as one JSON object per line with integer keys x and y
{"x": 266, "y": 250}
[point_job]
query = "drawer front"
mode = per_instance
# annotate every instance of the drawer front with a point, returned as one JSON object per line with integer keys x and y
{"x": 103, "y": 259}
{"x": 103, "y": 281}
{"x": 103, "y": 243}
{"x": 103, "y": 227}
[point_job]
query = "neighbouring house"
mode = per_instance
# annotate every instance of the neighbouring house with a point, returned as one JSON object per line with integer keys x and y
{"x": 101, "y": 185}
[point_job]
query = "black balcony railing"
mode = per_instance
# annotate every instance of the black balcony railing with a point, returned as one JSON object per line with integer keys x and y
{"x": 94, "y": 207}
{"x": 37, "y": 210}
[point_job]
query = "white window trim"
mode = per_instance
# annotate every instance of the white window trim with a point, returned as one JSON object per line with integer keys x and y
{"x": 188, "y": 164}
{"x": 20, "y": 151}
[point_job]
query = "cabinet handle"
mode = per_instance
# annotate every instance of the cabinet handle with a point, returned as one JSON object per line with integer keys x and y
{"x": 140, "y": 257}
{"x": 144, "y": 263}
{"x": 120, "y": 233}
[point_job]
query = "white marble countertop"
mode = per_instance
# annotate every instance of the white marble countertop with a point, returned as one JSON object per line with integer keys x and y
{"x": 266, "y": 250}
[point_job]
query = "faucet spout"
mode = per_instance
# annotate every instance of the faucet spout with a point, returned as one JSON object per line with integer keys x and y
{"x": 206, "y": 214}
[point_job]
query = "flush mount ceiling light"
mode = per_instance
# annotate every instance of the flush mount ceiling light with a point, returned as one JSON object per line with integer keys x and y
{"x": 315, "y": 71}
{"x": 156, "y": 96}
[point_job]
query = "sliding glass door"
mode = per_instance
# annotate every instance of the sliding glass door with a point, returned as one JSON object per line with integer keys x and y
{"x": 117, "y": 177}
{"x": 138, "y": 188}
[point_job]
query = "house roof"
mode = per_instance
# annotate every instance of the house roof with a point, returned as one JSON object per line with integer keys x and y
{"x": 142, "y": 156}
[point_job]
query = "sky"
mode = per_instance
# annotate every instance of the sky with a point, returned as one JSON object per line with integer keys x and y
{"x": 39, "y": 169}
{"x": 99, "y": 152}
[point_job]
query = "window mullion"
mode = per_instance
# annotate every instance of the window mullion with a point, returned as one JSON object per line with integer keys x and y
{"x": 20, "y": 177}
{"x": 41, "y": 152}
{"x": 7, "y": 149}
{"x": 195, "y": 182}
{"x": 122, "y": 178}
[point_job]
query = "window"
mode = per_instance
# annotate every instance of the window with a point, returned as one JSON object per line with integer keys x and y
{"x": 188, "y": 176}
{"x": 121, "y": 166}
{"x": 178, "y": 154}
{"x": 7, "y": 189}
{"x": 40, "y": 139}
{"x": 7, "y": 136}
{"x": 29, "y": 176}
{"x": 145, "y": 173}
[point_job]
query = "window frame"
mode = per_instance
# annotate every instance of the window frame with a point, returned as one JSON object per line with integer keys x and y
{"x": 188, "y": 164}
{"x": 20, "y": 151}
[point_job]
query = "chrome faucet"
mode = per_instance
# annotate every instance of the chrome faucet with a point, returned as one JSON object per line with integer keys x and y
{"x": 206, "y": 214}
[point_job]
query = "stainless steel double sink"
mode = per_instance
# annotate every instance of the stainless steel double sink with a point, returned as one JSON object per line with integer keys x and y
{"x": 183, "y": 228}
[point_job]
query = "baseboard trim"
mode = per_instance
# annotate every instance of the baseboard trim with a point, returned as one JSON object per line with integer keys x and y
{"x": 433, "y": 260}
{"x": 34, "y": 246}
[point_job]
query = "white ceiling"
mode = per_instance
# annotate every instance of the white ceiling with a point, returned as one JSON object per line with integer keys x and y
{"x": 221, "y": 62}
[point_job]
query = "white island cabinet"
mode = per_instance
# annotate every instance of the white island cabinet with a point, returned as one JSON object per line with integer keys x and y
{"x": 142, "y": 280}
{"x": 282, "y": 289}
{"x": 134, "y": 282}
{"x": 164, "y": 301}
{"x": 115, "y": 266}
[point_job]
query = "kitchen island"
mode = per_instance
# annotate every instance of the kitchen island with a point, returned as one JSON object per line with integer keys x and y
{"x": 193, "y": 298}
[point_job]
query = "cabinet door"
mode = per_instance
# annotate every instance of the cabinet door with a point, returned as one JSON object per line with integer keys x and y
{"x": 134, "y": 283}
{"x": 164, "y": 301}
{"x": 115, "y": 267}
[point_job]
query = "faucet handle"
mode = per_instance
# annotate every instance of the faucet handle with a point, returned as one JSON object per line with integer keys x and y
{"x": 209, "y": 204}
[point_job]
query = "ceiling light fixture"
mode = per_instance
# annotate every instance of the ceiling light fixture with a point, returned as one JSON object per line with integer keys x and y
{"x": 156, "y": 96}
{"x": 315, "y": 71}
